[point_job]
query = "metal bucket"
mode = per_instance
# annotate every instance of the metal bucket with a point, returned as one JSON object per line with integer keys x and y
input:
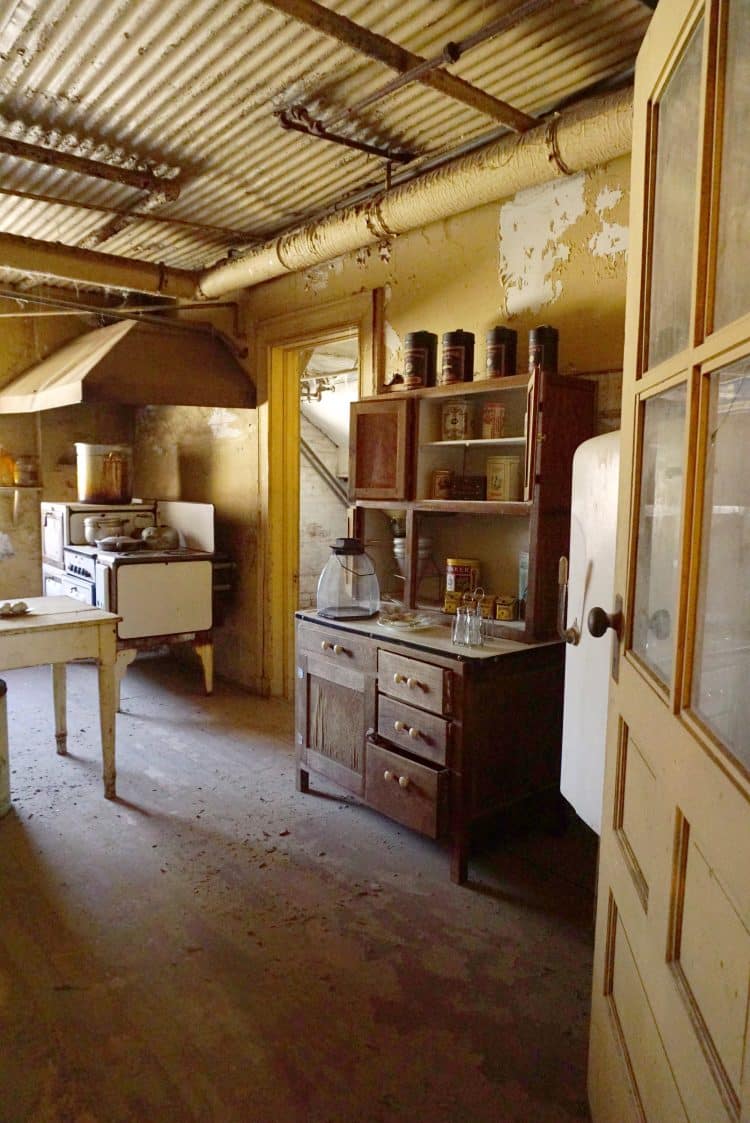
{"x": 104, "y": 473}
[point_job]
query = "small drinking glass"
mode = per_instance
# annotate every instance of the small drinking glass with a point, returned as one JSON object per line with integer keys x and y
{"x": 460, "y": 633}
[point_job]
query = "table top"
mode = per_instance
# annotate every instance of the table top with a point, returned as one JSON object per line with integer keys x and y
{"x": 54, "y": 612}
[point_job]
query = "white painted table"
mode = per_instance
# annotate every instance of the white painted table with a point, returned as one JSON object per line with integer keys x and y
{"x": 58, "y": 630}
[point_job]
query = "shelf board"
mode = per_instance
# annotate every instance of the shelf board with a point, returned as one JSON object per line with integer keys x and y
{"x": 454, "y": 389}
{"x": 20, "y": 487}
{"x": 472, "y": 442}
{"x": 515, "y": 507}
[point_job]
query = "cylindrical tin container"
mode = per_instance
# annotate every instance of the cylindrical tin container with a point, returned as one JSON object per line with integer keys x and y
{"x": 503, "y": 478}
{"x": 543, "y": 349}
{"x": 104, "y": 473}
{"x": 442, "y": 483}
{"x": 458, "y": 357}
{"x": 493, "y": 420}
{"x": 461, "y": 574}
{"x": 501, "y": 352}
{"x": 455, "y": 421}
{"x": 420, "y": 359}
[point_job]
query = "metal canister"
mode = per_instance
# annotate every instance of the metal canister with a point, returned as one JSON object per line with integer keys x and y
{"x": 493, "y": 420}
{"x": 503, "y": 478}
{"x": 442, "y": 483}
{"x": 461, "y": 574}
{"x": 455, "y": 421}
{"x": 420, "y": 359}
{"x": 500, "y": 359}
{"x": 457, "y": 357}
{"x": 543, "y": 349}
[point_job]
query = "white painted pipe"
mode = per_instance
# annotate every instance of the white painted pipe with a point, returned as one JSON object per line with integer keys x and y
{"x": 591, "y": 134}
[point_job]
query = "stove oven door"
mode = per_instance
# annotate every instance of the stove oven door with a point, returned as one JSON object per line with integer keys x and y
{"x": 161, "y": 598}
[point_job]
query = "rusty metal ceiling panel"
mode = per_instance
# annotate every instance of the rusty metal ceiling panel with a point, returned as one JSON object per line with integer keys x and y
{"x": 192, "y": 94}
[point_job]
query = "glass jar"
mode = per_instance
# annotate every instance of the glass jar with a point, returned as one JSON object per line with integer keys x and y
{"x": 348, "y": 587}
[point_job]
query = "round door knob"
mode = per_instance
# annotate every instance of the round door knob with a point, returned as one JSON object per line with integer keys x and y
{"x": 599, "y": 621}
{"x": 399, "y": 726}
{"x": 403, "y": 781}
{"x": 413, "y": 732}
{"x": 337, "y": 649}
{"x": 388, "y": 775}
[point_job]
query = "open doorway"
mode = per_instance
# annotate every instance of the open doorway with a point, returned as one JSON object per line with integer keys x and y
{"x": 329, "y": 383}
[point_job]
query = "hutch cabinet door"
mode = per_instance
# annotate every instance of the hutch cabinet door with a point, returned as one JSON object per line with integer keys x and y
{"x": 381, "y": 449}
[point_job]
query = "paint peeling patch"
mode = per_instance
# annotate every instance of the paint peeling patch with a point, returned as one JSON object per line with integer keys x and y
{"x": 392, "y": 339}
{"x": 224, "y": 425}
{"x": 612, "y": 237}
{"x": 6, "y": 547}
{"x": 532, "y": 226}
{"x": 318, "y": 278}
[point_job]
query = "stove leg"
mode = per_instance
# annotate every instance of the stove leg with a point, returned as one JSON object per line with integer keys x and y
{"x": 205, "y": 652}
{"x": 59, "y": 693}
{"x": 123, "y": 660}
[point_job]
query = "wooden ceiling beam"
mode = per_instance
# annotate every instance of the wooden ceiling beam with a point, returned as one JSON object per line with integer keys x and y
{"x": 377, "y": 47}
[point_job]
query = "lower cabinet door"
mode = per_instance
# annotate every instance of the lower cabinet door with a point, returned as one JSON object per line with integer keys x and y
{"x": 411, "y": 793}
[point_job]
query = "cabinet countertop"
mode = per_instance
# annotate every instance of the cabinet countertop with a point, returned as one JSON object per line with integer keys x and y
{"x": 436, "y": 639}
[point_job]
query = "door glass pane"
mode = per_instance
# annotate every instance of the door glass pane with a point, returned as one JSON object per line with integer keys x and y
{"x": 657, "y": 559}
{"x": 732, "y": 277}
{"x": 721, "y": 673}
{"x": 674, "y": 206}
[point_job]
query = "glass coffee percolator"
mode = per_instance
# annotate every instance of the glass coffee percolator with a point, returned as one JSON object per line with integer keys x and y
{"x": 348, "y": 587}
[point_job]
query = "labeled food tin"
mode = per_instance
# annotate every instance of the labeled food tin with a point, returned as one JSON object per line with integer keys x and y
{"x": 461, "y": 574}
{"x": 506, "y": 608}
{"x": 543, "y": 349}
{"x": 501, "y": 352}
{"x": 442, "y": 483}
{"x": 487, "y": 606}
{"x": 457, "y": 357}
{"x": 503, "y": 478}
{"x": 451, "y": 601}
{"x": 493, "y": 420}
{"x": 420, "y": 359}
{"x": 455, "y": 421}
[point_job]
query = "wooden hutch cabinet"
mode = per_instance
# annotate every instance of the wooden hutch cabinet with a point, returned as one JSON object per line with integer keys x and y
{"x": 436, "y": 736}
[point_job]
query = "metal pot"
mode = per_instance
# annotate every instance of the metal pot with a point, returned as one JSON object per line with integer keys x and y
{"x": 119, "y": 544}
{"x": 96, "y": 527}
{"x": 161, "y": 538}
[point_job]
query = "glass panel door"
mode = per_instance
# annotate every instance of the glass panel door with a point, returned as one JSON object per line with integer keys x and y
{"x": 721, "y": 676}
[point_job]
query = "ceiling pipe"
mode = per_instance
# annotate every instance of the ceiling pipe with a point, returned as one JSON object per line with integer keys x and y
{"x": 369, "y": 43}
{"x": 592, "y": 133}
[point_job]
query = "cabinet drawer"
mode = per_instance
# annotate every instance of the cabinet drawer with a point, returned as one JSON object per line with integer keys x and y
{"x": 413, "y": 730}
{"x": 413, "y": 794}
{"x": 341, "y": 649}
{"x": 418, "y": 684}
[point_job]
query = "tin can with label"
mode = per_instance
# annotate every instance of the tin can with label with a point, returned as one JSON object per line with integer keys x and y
{"x": 543, "y": 349}
{"x": 420, "y": 353}
{"x": 455, "y": 421}
{"x": 493, "y": 420}
{"x": 461, "y": 574}
{"x": 503, "y": 478}
{"x": 501, "y": 352}
{"x": 458, "y": 357}
{"x": 442, "y": 483}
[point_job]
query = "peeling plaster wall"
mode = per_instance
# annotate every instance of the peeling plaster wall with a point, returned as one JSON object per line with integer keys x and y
{"x": 208, "y": 455}
{"x": 551, "y": 254}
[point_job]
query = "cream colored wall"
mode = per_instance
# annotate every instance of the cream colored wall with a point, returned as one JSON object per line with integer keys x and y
{"x": 554, "y": 254}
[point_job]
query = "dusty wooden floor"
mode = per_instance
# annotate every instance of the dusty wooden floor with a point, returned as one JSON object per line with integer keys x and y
{"x": 216, "y": 947}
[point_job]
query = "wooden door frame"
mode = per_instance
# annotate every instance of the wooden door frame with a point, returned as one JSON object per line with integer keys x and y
{"x": 276, "y": 342}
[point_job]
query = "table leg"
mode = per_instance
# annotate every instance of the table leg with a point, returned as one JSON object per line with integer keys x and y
{"x": 59, "y": 691}
{"x": 205, "y": 652}
{"x": 124, "y": 658}
{"x": 107, "y": 703}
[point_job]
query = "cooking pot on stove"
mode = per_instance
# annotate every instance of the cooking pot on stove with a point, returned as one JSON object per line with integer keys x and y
{"x": 96, "y": 527}
{"x": 119, "y": 544}
{"x": 161, "y": 538}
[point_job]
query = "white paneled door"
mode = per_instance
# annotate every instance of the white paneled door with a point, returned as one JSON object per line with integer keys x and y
{"x": 669, "y": 1028}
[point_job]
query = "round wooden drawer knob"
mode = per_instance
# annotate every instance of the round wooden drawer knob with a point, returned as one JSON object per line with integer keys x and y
{"x": 403, "y": 781}
{"x": 397, "y": 678}
{"x": 412, "y": 683}
{"x": 324, "y": 645}
{"x": 399, "y": 726}
{"x": 413, "y": 732}
{"x": 388, "y": 775}
{"x": 337, "y": 649}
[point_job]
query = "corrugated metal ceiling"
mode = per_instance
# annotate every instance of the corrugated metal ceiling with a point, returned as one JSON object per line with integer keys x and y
{"x": 191, "y": 92}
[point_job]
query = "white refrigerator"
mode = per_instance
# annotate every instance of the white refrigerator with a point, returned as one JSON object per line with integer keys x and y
{"x": 591, "y": 571}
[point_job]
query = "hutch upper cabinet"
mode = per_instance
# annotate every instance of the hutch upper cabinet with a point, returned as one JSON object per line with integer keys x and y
{"x": 399, "y": 449}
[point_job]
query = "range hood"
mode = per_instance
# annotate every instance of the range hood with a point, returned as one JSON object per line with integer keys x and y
{"x": 134, "y": 363}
